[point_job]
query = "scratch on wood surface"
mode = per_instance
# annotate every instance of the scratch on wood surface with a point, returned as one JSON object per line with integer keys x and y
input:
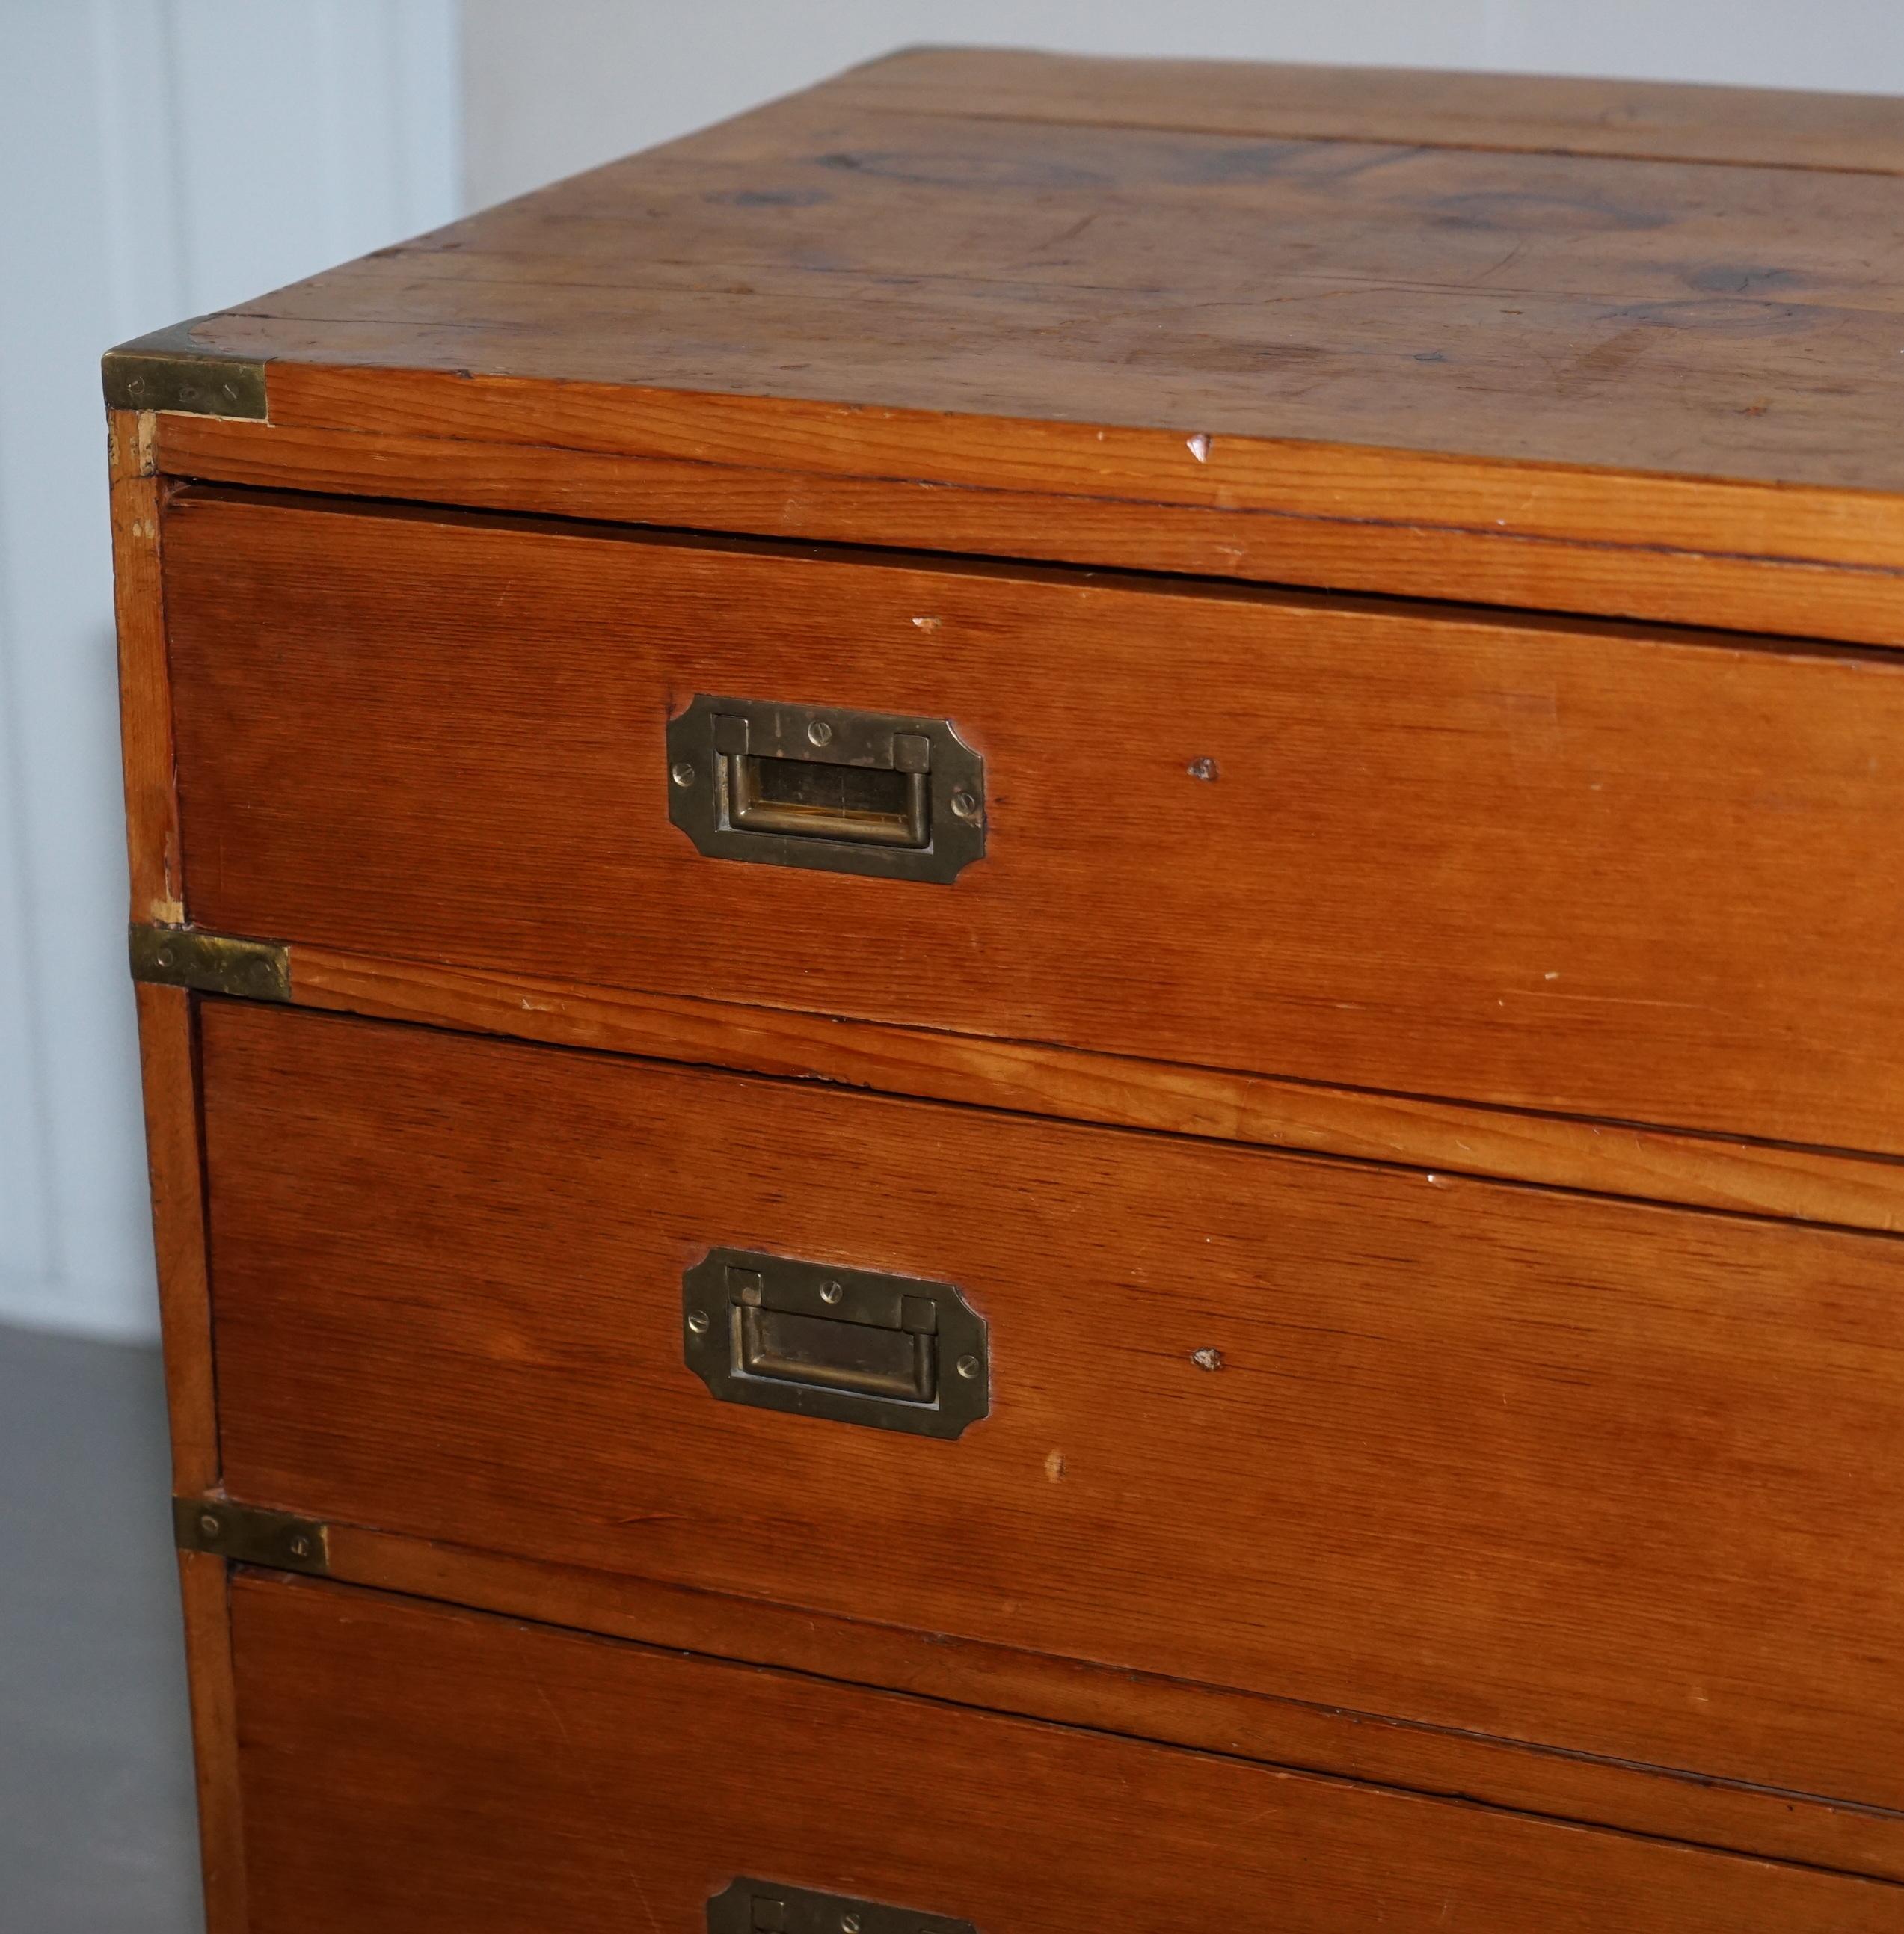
{"x": 1606, "y": 1000}
{"x": 1071, "y": 233}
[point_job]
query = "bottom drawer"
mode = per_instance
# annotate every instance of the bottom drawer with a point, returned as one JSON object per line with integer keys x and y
{"x": 406, "y": 1766}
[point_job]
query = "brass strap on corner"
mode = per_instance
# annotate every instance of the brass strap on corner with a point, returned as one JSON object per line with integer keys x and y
{"x": 168, "y": 370}
{"x": 246, "y": 1535}
{"x": 211, "y": 963}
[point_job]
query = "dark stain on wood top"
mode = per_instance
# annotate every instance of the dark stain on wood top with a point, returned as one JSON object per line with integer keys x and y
{"x": 939, "y": 234}
{"x": 1639, "y": 120}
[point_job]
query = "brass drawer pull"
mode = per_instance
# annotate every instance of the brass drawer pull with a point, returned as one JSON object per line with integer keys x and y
{"x": 892, "y": 1351}
{"x": 811, "y": 785}
{"x": 766, "y": 1907}
{"x": 868, "y": 805}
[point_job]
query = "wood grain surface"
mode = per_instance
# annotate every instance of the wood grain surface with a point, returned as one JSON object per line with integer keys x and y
{"x": 1413, "y": 550}
{"x": 1614, "y": 1479}
{"x": 168, "y": 1065}
{"x": 975, "y": 271}
{"x": 414, "y": 1769}
{"x": 1694, "y": 1808}
{"x": 204, "y": 1590}
{"x": 1578, "y": 114}
{"x": 1583, "y": 869}
{"x": 1619, "y": 315}
{"x": 1032, "y": 1077}
{"x": 167, "y": 1047}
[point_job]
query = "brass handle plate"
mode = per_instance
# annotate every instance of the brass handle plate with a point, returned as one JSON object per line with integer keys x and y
{"x": 893, "y": 1352}
{"x": 766, "y": 1907}
{"x": 822, "y": 787}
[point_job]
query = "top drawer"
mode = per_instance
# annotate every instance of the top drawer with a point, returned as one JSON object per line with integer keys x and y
{"x": 1553, "y": 866}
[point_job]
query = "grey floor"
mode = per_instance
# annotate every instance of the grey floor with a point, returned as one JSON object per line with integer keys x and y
{"x": 96, "y": 1829}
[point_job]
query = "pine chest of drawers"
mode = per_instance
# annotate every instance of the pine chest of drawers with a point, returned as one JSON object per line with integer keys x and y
{"x": 1019, "y": 970}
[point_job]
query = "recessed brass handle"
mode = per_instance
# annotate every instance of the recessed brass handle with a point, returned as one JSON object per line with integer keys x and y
{"x": 748, "y": 1906}
{"x": 895, "y": 1352}
{"x": 817, "y": 786}
{"x": 863, "y": 806}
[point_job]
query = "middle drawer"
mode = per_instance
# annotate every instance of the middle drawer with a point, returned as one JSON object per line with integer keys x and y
{"x": 1547, "y": 1467}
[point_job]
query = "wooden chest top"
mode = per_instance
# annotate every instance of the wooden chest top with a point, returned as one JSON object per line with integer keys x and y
{"x": 1202, "y": 284}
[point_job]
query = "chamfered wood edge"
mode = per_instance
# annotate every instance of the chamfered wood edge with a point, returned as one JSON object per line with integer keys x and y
{"x": 169, "y": 1077}
{"x": 152, "y": 804}
{"x": 1723, "y": 556}
{"x": 1191, "y": 463}
{"x": 1502, "y": 1775}
{"x": 168, "y": 1045}
{"x": 204, "y": 1584}
{"x": 168, "y": 1067}
{"x": 1445, "y": 1138}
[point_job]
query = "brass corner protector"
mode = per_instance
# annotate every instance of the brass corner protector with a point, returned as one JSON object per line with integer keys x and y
{"x": 211, "y": 963}
{"x": 244, "y": 1535}
{"x": 168, "y": 370}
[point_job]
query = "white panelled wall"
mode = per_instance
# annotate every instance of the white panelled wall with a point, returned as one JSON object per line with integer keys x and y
{"x": 158, "y": 158}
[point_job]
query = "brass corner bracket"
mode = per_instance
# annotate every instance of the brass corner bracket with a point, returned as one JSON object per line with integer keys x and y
{"x": 211, "y": 963}
{"x": 168, "y": 370}
{"x": 244, "y": 1535}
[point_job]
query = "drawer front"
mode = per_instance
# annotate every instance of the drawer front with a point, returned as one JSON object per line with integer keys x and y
{"x": 1616, "y": 1479}
{"x": 407, "y": 1767}
{"x": 1529, "y": 864}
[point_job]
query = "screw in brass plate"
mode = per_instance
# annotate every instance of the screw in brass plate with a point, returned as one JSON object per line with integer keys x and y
{"x": 965, "y": 805}
{"x": 849, "y": 1924}
{"x": 830, "y": 1292}
{"x": 820, "y": 733}
{"x": 684, "y": 773}
{"x": 300, "y": 1546}
{"x": 209, "y": 1526}
{"x": 697, "y": 1321}
{"x": 968, "y": 1366}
